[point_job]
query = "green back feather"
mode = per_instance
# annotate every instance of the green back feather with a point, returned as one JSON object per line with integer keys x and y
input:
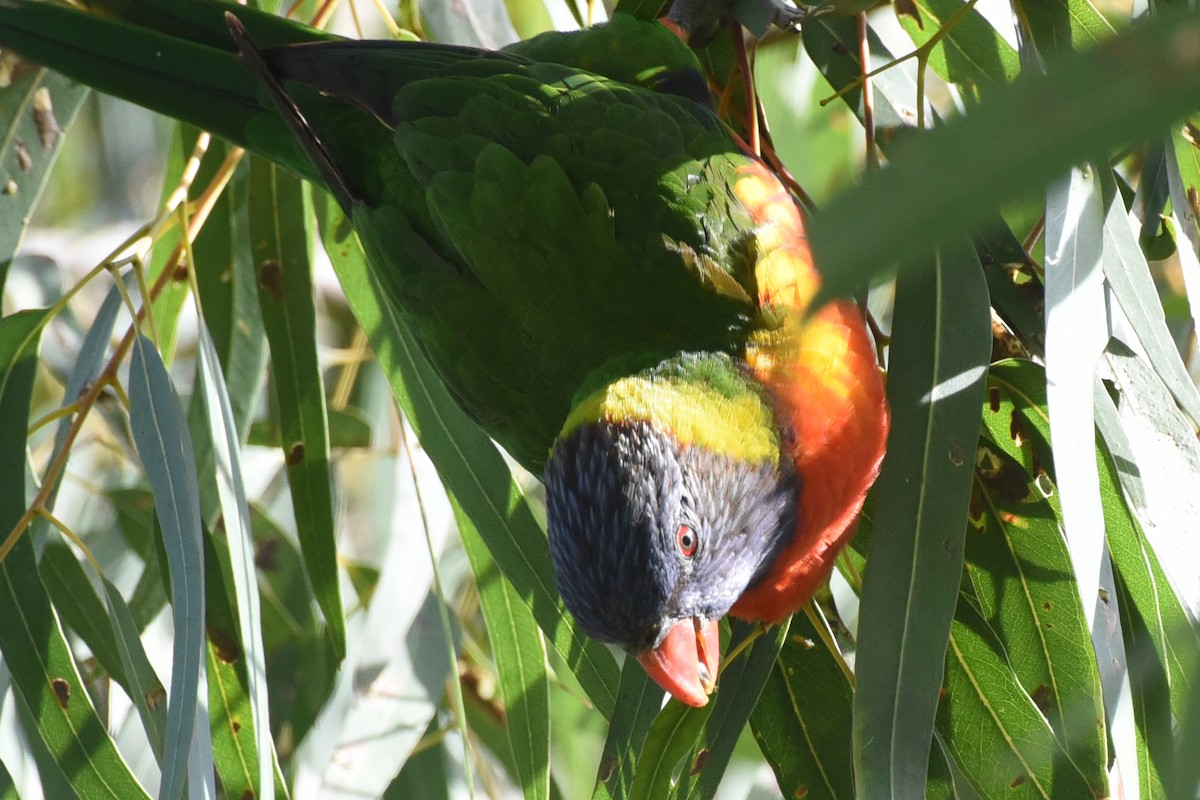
{"x": 542, "y": 226}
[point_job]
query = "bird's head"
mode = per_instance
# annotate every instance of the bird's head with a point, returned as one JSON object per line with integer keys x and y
{"x": 666, "y": 498}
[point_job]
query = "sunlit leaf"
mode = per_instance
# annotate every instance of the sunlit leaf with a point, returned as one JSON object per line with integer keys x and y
{"x": 1022, "y": 579}
{"x": 971, "y": 52}
{"x": 993, "y": 728}
{"x": 1128, "y": 273}
{"x": 244, "y": 693}
{"x": 1058, "y": 27}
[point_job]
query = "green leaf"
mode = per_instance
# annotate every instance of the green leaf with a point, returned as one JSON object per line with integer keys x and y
{"x": 134, "y": 509}
{"x": 1183, "y": 179}
{"x": 1017, "y": 293}
{"x": 671, "y": 737}
{"x": 804, "y": 733}
{"x": 243, "y": 683}
{"x": 1166, "y": 440}
{"x": 468, "y": 463}
{"x": 940, "y": 349}
{"x": 1158, "y": 633}
{"x": 36, "y": 108}
{"x": 348, "y": 427}
{"x": 832, "y": 44}
{"x": 741, "y": 685}
{"x": 991, "y": 726}
{"x": 1187, "y": 776}
{"x": 1058, "y": 27}
{"x": 424, "y": 774}
{"x": 144, "y": 686}
{"x": 80, "y": 607}
{"x": 35, "y": 651}
{"x": 638, "y": 702}
{"x": 299, "y": 659}
{"x": 279, "y": 242}
{"x": 1023, "y": 583}
{"x": 1031, "y": 131}
{"x": 229, "y": 298}
{"x": 520, "y": 655}
{"x": 168, "y": 305}
{"x": 642, "y": 9}
{"x": 161, "y": 436}
{"x": 972, "y": 53}
{"x": 1151, "y": 699}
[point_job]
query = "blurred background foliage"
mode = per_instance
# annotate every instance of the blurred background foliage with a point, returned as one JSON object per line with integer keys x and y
{"x": 437, "y": 682}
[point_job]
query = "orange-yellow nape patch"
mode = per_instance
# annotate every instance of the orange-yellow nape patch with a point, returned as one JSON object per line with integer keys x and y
{"x": 784, "y": 270}
{"x": 785, "y": 278}
{"x": 829, "y": 391}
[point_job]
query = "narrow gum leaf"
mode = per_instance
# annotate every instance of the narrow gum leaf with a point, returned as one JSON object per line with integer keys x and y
{"x": 161, "y": 435}
{"x": 939, "y": 357}
{"x": 279, "y": 237}
{"x": 36, "y": 653}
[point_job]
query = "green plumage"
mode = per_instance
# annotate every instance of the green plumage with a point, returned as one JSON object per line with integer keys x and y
{"x": 532, "y": 219}
{"x": 565, "y": 227}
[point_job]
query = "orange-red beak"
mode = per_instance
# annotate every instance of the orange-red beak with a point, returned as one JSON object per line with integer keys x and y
{"x": 685, "y": 662}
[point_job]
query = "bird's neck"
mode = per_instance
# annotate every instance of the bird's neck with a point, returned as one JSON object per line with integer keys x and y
{"x": 702, "y": 399}
{"x": 828, "y": 394}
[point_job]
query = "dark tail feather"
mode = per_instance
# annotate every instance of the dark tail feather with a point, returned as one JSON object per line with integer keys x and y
{"x": 291, "y": 114}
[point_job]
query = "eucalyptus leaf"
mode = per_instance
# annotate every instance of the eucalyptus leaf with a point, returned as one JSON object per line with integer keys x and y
{"x": 937, "y": 366}
{"x": 161, "y": 435}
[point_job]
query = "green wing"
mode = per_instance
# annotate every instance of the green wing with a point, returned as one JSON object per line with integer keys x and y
{"x": 552, "y": 209}
{"x": 542, "y": 226}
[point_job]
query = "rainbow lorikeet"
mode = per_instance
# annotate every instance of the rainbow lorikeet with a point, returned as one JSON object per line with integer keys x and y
{"x": 606, "y": 281}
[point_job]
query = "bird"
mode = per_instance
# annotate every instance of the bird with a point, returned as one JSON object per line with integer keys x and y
{"x": 607, "y": 282}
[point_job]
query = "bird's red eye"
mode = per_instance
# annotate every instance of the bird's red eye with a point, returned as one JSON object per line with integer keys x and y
{"x": 686, "y": 538}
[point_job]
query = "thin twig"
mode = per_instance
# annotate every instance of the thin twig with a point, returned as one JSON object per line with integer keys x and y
{"x": 108, "y": 376}
{"x": 921, "y": 52}
{"x": 864, "y": 54}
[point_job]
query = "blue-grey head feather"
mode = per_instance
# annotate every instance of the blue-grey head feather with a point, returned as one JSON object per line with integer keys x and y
{"x": 616, "y": 496}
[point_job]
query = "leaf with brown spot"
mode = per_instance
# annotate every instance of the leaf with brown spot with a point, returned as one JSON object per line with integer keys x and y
{"x": 279, "y": 239}
{"x": 270, "y": 278}
{"x": 228, "y": 648}
{"x": 24, "y": 159}
{"x": 1041, "y": 697}
{"x": 62, "y": 691}
{"x": 44, "y": 119}
{"x": 908, "y": 8}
